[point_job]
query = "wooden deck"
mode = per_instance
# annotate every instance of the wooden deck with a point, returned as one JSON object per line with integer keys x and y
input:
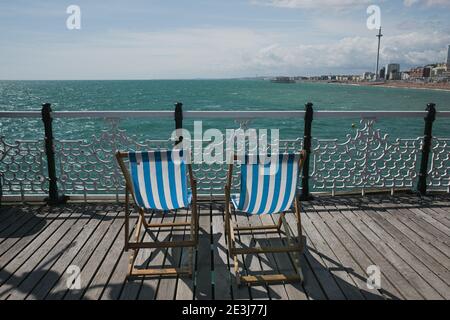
{"x": 408, "y": 238}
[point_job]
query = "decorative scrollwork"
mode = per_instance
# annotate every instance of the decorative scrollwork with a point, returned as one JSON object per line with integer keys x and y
{"x": 366, "y": 160}
{"x": 23, "y": 166}
{"x": 90, "y": 166}
{"x": 439, "y": 173}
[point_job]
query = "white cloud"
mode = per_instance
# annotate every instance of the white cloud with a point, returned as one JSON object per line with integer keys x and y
{"x": 429, "y": 3}
{"x": 353, "y": 53}
{"x": 312, "y": 3}
{"x": 217, "y": 52}
{"x": 340, "y": 4}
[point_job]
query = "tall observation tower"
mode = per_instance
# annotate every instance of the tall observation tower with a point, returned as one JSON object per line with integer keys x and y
{"x": 448, "y": 58}
{"x": 379, "y": 35}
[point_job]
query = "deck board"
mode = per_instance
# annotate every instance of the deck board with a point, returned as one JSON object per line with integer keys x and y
{"x": 406, "y": 236}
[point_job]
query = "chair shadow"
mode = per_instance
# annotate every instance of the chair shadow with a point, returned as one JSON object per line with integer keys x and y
{"x": 319, "y": 267}
{"x": 307, "y": 257}
{"x": 403, "y": 200}
{"x": 31, "y": 224}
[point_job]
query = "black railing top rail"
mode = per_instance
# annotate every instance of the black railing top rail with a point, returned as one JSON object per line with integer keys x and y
{"x": 198, "y": 114}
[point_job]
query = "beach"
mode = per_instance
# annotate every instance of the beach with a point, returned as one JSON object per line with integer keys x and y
{"x": 402, "y": 84}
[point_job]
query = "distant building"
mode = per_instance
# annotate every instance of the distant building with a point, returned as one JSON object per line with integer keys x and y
{"x": 438, "y": 71}
{"x": 405, "y": 75}
{"x": 392, "y": 71}
{"x": 420, "y": 72}
{"x": 282, "y": 80}
{"x": 368, "y": 76}
{"x": 383, "y": 73}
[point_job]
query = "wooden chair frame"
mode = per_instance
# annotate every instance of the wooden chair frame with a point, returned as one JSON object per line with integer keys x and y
{"x": 138, "y": 244}
{"x": 294, "y": 248}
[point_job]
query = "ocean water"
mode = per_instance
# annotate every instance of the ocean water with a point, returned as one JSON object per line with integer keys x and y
{"x": 213, "y": 95}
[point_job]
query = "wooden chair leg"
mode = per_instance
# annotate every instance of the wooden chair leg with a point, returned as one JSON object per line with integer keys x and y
{"x": 297, "y": 256}
{"x": 135, "y": 252}
{"x": 127, "y": 219}
{"x": 280, "y": 221}
{"x": 144, "y": 221}
{"x": 194, "y": 236}
{"x": 232, "y": 241}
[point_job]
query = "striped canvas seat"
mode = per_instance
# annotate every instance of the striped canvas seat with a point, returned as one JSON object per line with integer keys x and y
{"x": 159, "y": 182}
{"x": 267, "y": 188}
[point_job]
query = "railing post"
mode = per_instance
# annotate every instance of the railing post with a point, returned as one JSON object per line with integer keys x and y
{"x": 53, "y": 197}
{"x": 309, "y": 115}
{"x": 178, "y": 121}
{"x": 426, "y": 148}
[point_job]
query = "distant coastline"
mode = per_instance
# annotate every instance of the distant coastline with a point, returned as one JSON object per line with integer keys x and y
{"x": 396, "y": 84}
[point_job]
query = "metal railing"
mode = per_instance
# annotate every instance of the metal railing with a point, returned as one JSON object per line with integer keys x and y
{"x": 86, "y": 168}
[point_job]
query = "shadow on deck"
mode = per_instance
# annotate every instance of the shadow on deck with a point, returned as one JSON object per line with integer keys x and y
{"x": 408, "y": 238}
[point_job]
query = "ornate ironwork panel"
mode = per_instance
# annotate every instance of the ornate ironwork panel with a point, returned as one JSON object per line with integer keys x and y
{"x": 23, "y": 166}
{"x": 90, "y": 166}
{"x": 439, "y": 173}
{"x": 366, "y": 160}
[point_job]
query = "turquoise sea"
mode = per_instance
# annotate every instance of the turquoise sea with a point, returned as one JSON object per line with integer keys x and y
{"x": 213, "y": 95}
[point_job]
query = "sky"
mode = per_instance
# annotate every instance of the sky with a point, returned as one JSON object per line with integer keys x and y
{"x": 181, "y": 39}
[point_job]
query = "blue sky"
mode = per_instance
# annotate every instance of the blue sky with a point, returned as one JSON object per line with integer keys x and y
{"x": 215, "y": 39}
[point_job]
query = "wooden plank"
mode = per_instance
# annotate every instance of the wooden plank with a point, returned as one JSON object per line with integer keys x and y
{"x": 378, "y": 258}
{"x": 23, "y": 235}
{"x": 92, "y": 255}
{"x": 43, "y": 257}
{"x": 436, "y": 214}
{"x": 10, "y": 214}
{"x": 39, "y": 285}
{"x": 428, "y": 231}
{"x": 11, "y": 275}
{"x": 78, "y": 233}
{"x": 167, "y": 286}
{"x": 410, "y": 274}
{"x": 422, "y": 250}
{"x": 440, "y": 224}
{"x": 415, "y": 263}
{"x": 249, "y": 264}
{"x": 403, "y": 233}
{"x": 310, "y": 286}
{"x": 352, "y": 278}
{"x": 405, "y": 236}
{"x": 417, "y": 228}
{"x": 79, "y": 258}
{"x": 117, "y": 278}
{"x": 203, "y": 276}
{"x": 330, "y": 262}
{"x": 284, "y": 262}
{"x": 155, "y": 257}
{"x": 100, "y": 280}
{"x": 267, "y": 260}
{"x": 324, "y": 276}
{"x": 132, "y": 286}
{"x": 440, "y": 212}
{"x": 7, "y": 212}
{"x": 361, "y": 259}
{"x": 9, "y": 226}
{"x": 222, "y": 276}
{"x": 185, "y": 285}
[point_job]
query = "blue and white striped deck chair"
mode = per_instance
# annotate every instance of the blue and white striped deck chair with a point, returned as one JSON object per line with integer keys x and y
{"x": 266, "y": 188}
{"x": 157, "y": 180}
